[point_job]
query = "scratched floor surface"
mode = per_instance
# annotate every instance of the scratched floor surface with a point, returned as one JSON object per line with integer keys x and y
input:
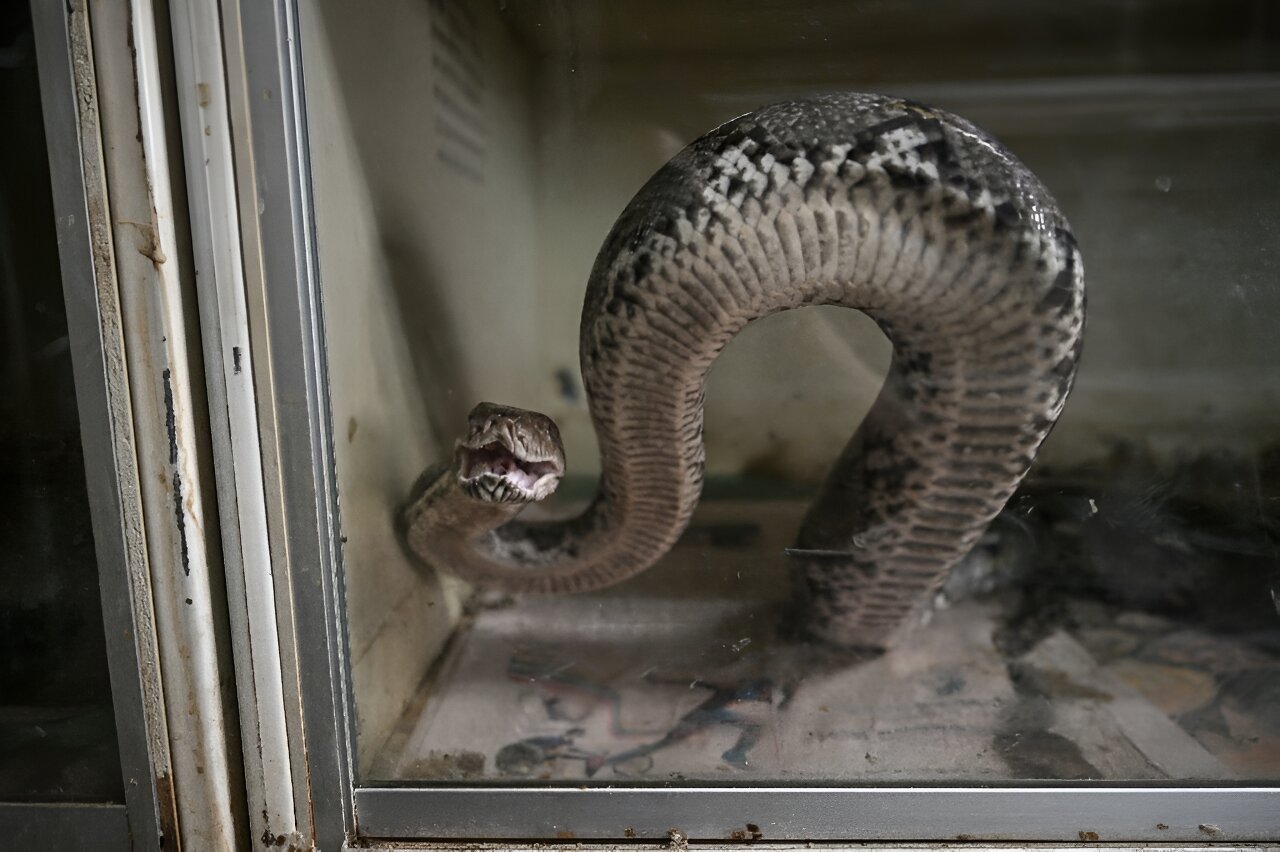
{"x": 681, "y": 675}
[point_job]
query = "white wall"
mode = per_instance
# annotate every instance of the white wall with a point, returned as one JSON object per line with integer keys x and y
{"x": 422, "y": 166}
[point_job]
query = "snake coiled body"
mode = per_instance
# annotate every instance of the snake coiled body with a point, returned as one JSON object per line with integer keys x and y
{"x": 909, "y": 214}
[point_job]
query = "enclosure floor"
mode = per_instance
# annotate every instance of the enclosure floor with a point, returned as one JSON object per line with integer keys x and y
{"x": 680, "y": 675}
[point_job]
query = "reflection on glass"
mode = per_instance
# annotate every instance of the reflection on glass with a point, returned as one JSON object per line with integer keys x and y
{"x": 1118, "y": 620}
{"x": 57, "y": 731}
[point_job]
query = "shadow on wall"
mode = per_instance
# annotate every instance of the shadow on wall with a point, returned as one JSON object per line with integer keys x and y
{"x": 395, "y": 158}
{"x": 429, "y": 332}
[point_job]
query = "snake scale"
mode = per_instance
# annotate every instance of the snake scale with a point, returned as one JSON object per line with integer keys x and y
{"x": 907, "y": 213}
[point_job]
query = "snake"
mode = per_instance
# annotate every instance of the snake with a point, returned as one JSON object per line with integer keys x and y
{"x": 913, "y": 216}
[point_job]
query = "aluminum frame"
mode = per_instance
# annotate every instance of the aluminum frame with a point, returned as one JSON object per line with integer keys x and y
{"x": 822, "y": 846}
{"x": 1030, "y": 814}
{"x": 66, "y": 826}
{"x": 273, "y": 58}
{"x": 266, "y": 701}
{"x": 266, "y": 105}
{"x": 155, "y": 284}
{"x": 94, "y": 322}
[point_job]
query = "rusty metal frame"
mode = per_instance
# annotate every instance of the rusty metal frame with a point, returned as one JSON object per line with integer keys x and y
{"x": 270, "y": 711}
{"x": 130, "y": 309}
{"x": 69, "y": 97}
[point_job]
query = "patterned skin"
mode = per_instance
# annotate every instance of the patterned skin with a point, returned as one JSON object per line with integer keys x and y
{"x": 909, "y": 214}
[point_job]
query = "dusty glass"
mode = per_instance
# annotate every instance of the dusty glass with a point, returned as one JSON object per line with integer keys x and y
{"x": 1118, "y": 621}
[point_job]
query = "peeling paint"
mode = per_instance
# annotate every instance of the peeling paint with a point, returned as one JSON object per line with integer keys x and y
{"x": 168, "y": 807}
{"x": 170, "y": 422}
{"x": 150, "y": 247}
{"x": 170, "y": 418}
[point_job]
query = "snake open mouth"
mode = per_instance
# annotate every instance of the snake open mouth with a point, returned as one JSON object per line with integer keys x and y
{"x": 495, "y": 462}
{"x": 509, "y": 455}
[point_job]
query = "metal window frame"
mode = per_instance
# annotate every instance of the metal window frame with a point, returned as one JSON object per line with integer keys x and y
{"x": 86, "y": 256}
{"x": 154, "y": 281}
{"x": 855, "y": 813}
{"x": 261, "y": 623}
{"x": 65, "y": 826}
{"x": 262, "y": 43}
{"x": 272, "y": 55}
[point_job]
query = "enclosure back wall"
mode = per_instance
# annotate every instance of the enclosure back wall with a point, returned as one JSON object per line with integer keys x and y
{"x": 468, "y": 159}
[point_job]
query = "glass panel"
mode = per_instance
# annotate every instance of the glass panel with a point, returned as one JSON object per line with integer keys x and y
{"x": 57, "y": 730}
{"x": 1117, "y": 621}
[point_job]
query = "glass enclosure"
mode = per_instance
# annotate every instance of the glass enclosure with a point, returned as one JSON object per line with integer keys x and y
{"x": 1119, "y": 620}
{"x": 57, "y": 728}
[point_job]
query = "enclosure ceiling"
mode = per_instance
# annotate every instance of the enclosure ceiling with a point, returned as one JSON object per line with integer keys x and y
{"x": 1138, "y": 36}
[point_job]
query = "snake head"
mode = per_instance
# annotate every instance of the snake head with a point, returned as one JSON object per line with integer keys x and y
{"x": 509, "y": 455}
